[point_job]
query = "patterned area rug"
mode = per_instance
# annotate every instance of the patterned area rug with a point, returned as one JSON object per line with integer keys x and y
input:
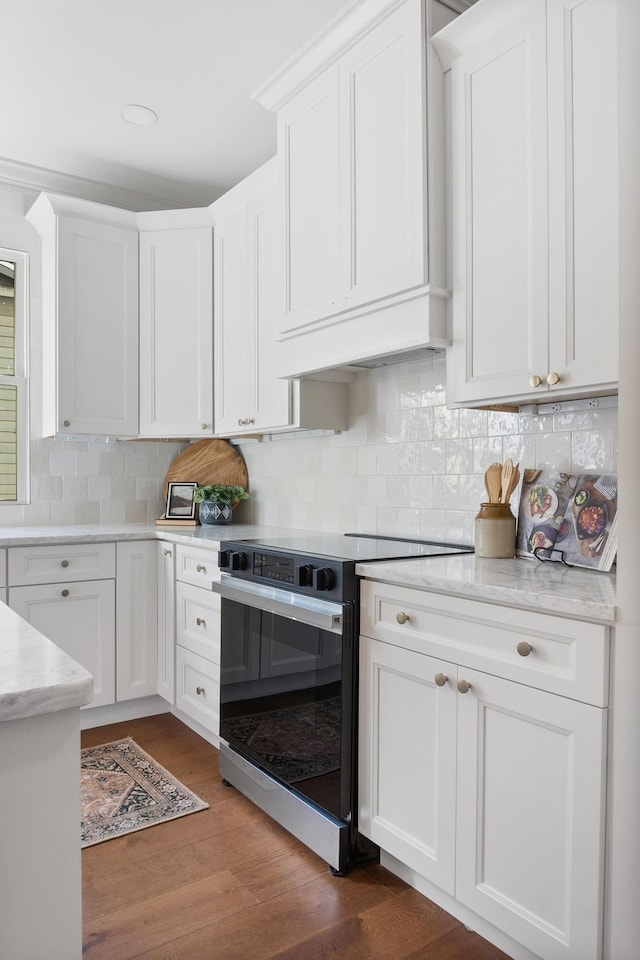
{"x": 123, "y": 789}
{"x": 295, "y": 743}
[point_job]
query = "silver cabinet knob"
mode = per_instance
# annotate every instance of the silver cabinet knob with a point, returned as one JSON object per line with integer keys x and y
{"x": 64, "y": 563}
{"x": 65, "y": 593}
{"x": 249, "y": 421}
{"x": 66, "y": 423}
{"x": 402, "y": 617}
{"x": 203, "y": 426}
{"x": 553, "y": 378}
{"x": 199, "y": 690}
{"x": 241, "y": 422}
{"x": 200, "y": 622}
{"x": 200, "y": 568}
{"x": 535, "y": 380}
{"x": 524, "y": 648}
{"x": 166, "y": 552}
{"x": 464, "y": 686}
{"x": 440, "y": 679}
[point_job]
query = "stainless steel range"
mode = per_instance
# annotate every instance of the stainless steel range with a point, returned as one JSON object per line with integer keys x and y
{"x": 289, "y": 675}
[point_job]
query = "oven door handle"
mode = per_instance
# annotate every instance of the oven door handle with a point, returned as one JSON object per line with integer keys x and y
{"x": 292, "y": 606}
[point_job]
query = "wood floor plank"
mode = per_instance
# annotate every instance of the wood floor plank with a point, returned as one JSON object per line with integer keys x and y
{"x": 279, "y": 923}
{"x": 129, "y": 932}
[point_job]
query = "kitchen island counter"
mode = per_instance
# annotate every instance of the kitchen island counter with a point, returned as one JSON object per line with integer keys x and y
{"x": 545, "y": 587}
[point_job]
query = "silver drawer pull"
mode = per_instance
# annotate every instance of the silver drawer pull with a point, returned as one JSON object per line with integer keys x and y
{"x": 402, "y": 617}
{"x": 524, "y": 648}
{"x": 464, "y": 686}
{"x": 200, "y": 568}
{"x": 440, "y": 679}
{"x": 200, "y": 622}
{"x": 199, "y": 690}
{"x": 65, "y": 593}
{"x": 64, "y": 563}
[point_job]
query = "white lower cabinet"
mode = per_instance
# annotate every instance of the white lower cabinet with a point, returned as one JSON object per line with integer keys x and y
{"x": 79, "y": 617}
{"x": 491, "y": 789}
{"x": 198, "y": 636}
{"x": 98, "y": 603}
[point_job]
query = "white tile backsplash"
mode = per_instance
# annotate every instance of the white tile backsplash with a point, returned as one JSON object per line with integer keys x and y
{"x": 405, "y": 466}
{"x": 420, "y": 466}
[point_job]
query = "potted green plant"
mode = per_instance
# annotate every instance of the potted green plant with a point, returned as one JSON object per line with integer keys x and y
{"x": 217, "y": 501}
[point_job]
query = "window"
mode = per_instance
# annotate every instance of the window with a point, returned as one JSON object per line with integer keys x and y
{"x": 14, "y": 414}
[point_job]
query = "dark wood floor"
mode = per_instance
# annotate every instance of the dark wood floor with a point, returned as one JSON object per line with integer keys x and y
{"x": 230, "y": 884}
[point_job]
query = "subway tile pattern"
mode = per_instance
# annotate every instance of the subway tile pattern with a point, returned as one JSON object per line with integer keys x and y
{"x": 75, "y": 481}
{"x": 407, "y": 465}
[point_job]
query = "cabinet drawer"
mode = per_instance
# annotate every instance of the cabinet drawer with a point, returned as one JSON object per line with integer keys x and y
{"x": 198, "y": 688}
{"x": 198, "y": 621}
{"x": 197, "y": 566}
{"x": 61, "y": 563}
{"x": 563, "y": 656}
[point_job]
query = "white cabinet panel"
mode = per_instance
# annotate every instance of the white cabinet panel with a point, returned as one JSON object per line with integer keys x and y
{"x": 90, "y": 316}
{"x": 198, "y": 620}
{"x": 407, "y": 759}
{"x": 196, "y": 565}
{"x": 534, "y": 200}
{"x": 57, "y": 564}
{"x": 530, "y": 813}
{"x": 176, "y": 331}
{"x": 166, "y": 621}
{"x": 136, "y": 620}
{"x": 79, "y": 617}
{"x": 198, "y": 689}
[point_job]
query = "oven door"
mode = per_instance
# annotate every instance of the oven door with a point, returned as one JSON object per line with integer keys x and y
{"x": 286, "y": 689}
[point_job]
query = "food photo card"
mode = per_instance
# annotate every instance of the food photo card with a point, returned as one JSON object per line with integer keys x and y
{"x": 544, "y": 498}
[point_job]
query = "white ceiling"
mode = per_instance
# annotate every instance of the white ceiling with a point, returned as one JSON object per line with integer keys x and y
{"x": 68, "y": 66}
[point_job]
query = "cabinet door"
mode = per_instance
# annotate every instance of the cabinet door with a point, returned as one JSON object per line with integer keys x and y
{"x": 176, "y": 332}
{"x": 530, "y": 815}
{"x": 383, "y": 178}
{"x": 136, "y": 620}
{"x": 166, "y": 621}
{"x": 198, "y": 689}
{"x": 583, "y": 197}
{"x": 499, "y": 196}
{"x": 97, "y": 317}
{"x": 80, "y": 619}
{"x": 407, "y": 749}
{"x": 308, "y": 143}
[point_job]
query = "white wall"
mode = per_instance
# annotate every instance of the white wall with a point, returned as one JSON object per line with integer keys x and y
{"x": 408, "y": 465}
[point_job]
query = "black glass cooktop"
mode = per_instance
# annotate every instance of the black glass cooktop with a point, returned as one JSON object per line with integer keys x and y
{"x": 358, "y": 547}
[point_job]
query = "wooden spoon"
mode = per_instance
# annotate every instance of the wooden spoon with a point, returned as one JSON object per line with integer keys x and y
{"x": 492, "y": 482}
{"x": 515, "y": 479}
{"x": 505, "y": 480}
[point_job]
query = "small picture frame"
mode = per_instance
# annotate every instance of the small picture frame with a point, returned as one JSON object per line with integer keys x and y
{"x": 180, "y": 502}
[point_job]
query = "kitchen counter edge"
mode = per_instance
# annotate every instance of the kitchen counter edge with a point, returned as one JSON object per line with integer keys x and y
{"x": 544, "y": 587}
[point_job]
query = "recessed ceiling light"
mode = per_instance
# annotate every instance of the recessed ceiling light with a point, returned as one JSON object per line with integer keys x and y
{"x": 138, "y": 115}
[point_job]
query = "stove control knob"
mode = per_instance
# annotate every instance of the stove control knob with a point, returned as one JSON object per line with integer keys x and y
{"x": 238, "y": 561}
{"x": 323, "y": 578}
{"x": 305, "y": 575}
{"x": 223, "y": 559}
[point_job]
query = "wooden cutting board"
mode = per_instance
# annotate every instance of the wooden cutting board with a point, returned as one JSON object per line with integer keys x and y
{"x": 208, "y": 461}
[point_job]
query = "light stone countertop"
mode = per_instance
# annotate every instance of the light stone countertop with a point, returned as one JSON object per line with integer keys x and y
{"x": 545, "y": 587}
{"x": 36, "y": 677}
{"x": 203, "y": 535}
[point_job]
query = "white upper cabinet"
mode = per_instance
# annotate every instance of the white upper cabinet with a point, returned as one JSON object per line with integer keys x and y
{"x": 89, "y": 316}
{"x": 176, "y": 324}
{"x": 361, "y": 184}
{"x": 249, "y": 395}
{"x": 534, "y": 202}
